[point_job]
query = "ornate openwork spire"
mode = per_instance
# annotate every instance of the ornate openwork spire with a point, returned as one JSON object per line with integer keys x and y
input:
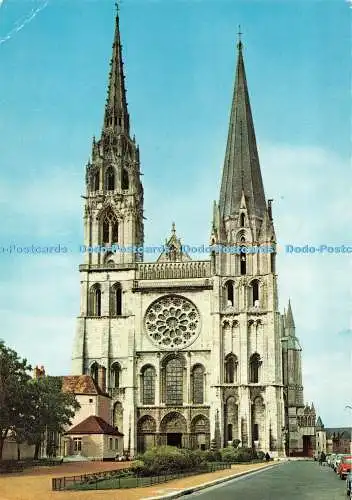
{"x": 116, "y": 113}
{"x": 241, "y": 172}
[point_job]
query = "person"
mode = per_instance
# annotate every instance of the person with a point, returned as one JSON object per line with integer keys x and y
{"x": 322, "y": 458}
{"x": 267, "y": 456}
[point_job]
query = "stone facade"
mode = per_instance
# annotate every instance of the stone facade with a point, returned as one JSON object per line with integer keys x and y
{"x": 188, "y": 350}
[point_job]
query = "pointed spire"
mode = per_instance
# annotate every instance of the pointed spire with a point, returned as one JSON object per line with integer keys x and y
{"x": 241, "y": 170}
{"x": 116, "y": 113}
{"x": 289, "y": 317}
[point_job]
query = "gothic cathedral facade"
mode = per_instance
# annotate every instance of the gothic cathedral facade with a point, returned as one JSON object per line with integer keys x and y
{"x": 192, "y": 352}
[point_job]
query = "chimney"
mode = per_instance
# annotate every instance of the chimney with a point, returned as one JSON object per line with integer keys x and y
{"x": 102, "y": 378}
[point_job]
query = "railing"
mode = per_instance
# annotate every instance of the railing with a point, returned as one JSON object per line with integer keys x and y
{"x": 173, "y": 270}
{"x": 124, "y": 478}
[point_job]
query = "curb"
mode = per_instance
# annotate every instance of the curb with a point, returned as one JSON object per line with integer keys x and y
{"x": 193, "y": 489}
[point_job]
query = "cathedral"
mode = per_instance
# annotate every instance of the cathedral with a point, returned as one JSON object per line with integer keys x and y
{"x": 193, "y": 353}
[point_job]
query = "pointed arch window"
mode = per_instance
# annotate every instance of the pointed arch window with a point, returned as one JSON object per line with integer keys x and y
{"x": 116, "y": 300}
{"x": 255, "y": 293}
{"x": 230, "y": 295}
{"x": 231, "y": 369}
{"x": 242, "y": 219}
{"x": 125, "y": 181}
{"x": 95, "y": 300}
{"x": 110, "y": 179}
{"x": 94, "y": 371}
{"x": 254, "y": 367}
{"x": 110, "y": 228}
{"x": 115, "y": 375}
{"x": 148, "y": 385}
{"x": 198, "y": 384}
{"x": 95, "y": 182}
{"x": 243, "y": 261}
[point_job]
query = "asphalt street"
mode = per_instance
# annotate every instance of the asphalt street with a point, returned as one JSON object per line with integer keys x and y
{"x": 288, "y": 481}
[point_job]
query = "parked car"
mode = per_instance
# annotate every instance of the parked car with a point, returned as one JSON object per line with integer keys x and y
{"x": 345, "y": 466}
{"x": 349, "y": 485}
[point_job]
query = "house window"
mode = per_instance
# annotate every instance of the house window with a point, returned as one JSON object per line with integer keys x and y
{"x": 77, "y": 445}
{"x": 90, "y": 400}
{"x": 116, "y": 444}
{"x": 110, "y": 443}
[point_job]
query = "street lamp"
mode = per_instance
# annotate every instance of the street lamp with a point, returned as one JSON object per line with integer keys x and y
{"x": 349, "y": 407}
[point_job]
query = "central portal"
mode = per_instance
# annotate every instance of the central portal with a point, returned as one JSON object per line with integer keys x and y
{"x": 174, "y": 439}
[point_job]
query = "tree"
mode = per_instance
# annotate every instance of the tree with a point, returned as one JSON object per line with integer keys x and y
{"x": 14, "y": 379}
{"x": 50, "y": 412}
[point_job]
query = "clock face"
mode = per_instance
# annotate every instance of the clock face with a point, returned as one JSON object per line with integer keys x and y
{"x": 172, "y": 322}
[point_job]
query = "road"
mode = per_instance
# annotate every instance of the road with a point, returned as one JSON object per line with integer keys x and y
{"x": 303, "y": 480}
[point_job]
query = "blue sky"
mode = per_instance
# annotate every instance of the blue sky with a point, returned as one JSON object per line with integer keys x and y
{"x": 179, "y": 61}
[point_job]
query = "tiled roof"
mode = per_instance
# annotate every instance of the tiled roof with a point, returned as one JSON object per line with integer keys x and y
{"x": 81, "y": 384}
{"x": 94, "y": 425}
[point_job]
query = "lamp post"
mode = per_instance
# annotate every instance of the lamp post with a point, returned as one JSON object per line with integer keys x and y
{"x": 349, "y": 407}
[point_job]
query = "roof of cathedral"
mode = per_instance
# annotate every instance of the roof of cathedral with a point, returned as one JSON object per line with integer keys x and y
{"x": 81, "y": 384}
{"x": 116, "y": 113}
{"x": 241, "y": 172}
{"x": 94, "y": 425}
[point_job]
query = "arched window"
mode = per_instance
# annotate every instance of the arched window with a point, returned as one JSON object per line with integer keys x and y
{"x": 243, "y": 261}
{"x": 230, "y": 300}
{"x": 125, "y": 182}
{"x": 95, "y": 181}
{"x": 106, "y": 230}
{"x": 94, "y": 371}
{"x": 254, "y": 365}
{"x": 198, "y": 384}
{"x": 173, "y": 384}
{"x": 95, "y": 301}
{"x": 148, "y": 385}
{"x": 115, "y": 232}
{"x": 110, "y": 179}
{"x": 110, "y": 228}
{"x": 255, "y": 293}
{"x": 115, "y": 376}
{"x": 116, "y": 300}
{"x": 242, "y": 219}
{"x": 230, "y": 369}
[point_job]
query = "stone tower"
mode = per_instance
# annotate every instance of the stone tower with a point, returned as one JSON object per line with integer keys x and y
{"x": 250, "y": 379}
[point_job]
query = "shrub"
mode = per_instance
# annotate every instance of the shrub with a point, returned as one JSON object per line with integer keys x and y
{"x": 213, "y": 456}
{"x": 260, "y": 455}
{"x": 228, "y": 454}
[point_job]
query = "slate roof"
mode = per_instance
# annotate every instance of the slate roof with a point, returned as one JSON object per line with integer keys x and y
{"x": 94, "y": 425}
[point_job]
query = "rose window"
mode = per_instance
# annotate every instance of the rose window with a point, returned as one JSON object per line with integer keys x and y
{"x": 172, "y": 322}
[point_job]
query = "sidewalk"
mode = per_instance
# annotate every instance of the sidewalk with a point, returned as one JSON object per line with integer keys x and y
{"x": 38, "y": 487}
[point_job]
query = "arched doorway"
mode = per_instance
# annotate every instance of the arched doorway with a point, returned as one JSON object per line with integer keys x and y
{"x": 146, "y": 437}
{"x": 173, "y": 430}
{"x": 200, "y": 433}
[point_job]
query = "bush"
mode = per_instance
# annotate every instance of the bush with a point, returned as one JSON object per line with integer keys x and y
{"x": 213, "y": 456}
{"x": 260, "y": 455}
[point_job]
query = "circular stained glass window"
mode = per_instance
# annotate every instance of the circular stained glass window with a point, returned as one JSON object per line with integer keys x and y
{"x": 172, "y": 322}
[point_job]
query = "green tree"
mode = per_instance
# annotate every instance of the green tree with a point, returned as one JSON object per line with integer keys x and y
{"x": 50, "y": 413}
{"x": 14, "y": 378}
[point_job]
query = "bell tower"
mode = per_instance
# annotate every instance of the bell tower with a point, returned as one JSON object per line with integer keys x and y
{"x": 113, "y": 214}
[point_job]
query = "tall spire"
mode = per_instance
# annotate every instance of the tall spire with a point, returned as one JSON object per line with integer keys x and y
{"x": 116, "y": 114}
{"x": 289, "y": 317}
{"x": 241, "y": 172}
